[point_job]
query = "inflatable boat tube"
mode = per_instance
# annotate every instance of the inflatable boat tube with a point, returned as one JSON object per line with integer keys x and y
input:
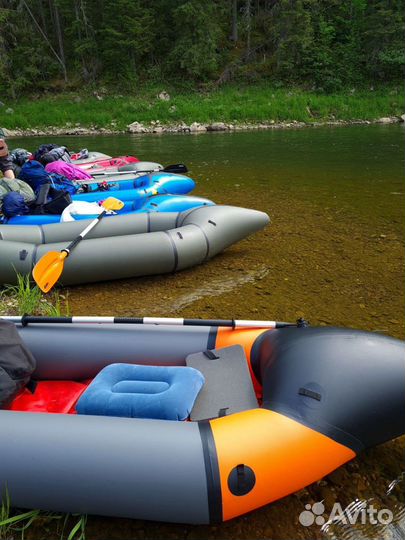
{"x": 328, "y": 393}
{"x": 130, "y": 187}
{"x": 125, "y": 177}
{"x": 138, "y": 245}
{"x": 135, "y": 193}
{"x": 155, "y": 203}
{"x": 107, "y": 163}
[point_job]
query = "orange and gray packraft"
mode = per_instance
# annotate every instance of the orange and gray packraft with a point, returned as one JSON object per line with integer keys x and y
{"x": 278, "y": 410}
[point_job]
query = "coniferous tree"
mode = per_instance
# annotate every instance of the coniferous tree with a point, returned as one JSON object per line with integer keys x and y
{"x": 196, "y": 51}
{"x": 321, "y": 44}
{"x": 125, "y": 37}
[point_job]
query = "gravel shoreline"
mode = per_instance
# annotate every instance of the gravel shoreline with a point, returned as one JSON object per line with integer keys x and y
{"x": 196, "y": 127}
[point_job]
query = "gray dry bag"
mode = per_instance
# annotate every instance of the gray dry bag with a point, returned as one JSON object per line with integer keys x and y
{"x": 16, "y": 363}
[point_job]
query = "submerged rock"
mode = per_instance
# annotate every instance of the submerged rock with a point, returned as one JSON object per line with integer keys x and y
{"x": 217, "y": 126}
{"x": 386, "y": 120}
{"x": 195, "y": 126}
{"x": 137, "y": 127}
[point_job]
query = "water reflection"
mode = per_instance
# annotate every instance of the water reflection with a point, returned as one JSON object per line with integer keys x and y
{"x": 356, "y": 521}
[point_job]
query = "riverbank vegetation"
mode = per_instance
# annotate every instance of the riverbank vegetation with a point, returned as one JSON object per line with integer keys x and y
{"x": 24, "y": 298}
{"x": 18, "y": 526}
{"x": 69, "y": 62}
{"x": 231, "y": 104}
{"x": 322, "y": 45}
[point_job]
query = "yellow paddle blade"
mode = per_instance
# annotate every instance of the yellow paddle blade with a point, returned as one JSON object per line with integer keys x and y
{"x": 112, "y": 204}
{"x": 48, "y": 269}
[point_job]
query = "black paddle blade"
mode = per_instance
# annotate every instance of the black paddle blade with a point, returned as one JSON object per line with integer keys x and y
{"x": 178, "y": 168}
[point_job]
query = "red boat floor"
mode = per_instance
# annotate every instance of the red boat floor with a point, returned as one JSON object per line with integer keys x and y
{"x": 50, "y": 397}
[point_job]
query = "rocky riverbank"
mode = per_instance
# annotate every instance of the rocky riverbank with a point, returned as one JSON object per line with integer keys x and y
{"x": 195, "y": 127}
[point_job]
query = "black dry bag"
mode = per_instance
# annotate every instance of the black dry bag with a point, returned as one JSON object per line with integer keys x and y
{"x": 51, "y": 200}
{"x": 16, "y": 363}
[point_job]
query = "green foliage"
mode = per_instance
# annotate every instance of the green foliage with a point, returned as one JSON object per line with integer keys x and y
{"x": 383, "y": 39}
{"x": 231, "y": 103}
{"x": 24, "y": 60}
{"x": 14, "y": 525}
{"x": 127, "y": 36}
{"x": 10, "y": 523}
{"x": 321, "y": 44}
{"x": 78, "y": 532}
{"x": 27, "y": 299}
{"x": 198, "y": 33}
{"x": 294, "y": 38}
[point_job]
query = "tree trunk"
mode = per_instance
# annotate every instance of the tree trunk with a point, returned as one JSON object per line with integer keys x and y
{"x": 234, "y": 33}
{"x": 42, "y": 17}
{"x": 41, "y": 31}
{"x": 79, "y": 37}
{"x": 60, "y": 39}
{"x": 248, "y": 15}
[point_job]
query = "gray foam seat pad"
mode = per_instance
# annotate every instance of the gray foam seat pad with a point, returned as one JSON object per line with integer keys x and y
{"x": 228, "y": 386}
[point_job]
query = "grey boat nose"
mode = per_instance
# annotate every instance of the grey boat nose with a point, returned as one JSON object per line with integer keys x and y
{"x": 138, "y": 245}
{"x": 234, "y": 223}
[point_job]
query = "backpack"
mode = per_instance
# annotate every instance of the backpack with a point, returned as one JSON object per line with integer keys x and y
{"x": 62, "y": 183}
{"x": 13, "y": 204}
{"x": 9, "y": 185}
{"x": 16, "y": 363}
{"x": 59, "y": 153}
{"x": 34, "y": 174}
{"x": 19, "y": 156}
{"x": 51, "y": 200}
{"x": 43, "y": 149}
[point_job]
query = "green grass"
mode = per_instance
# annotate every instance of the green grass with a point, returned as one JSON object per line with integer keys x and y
{"x": 27, "y": 299}
{"x": 14, "y": 525}
{"x": 259, "y": 103}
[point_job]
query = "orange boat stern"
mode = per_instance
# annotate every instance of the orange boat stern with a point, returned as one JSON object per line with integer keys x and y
{"x": 264, "y": 456}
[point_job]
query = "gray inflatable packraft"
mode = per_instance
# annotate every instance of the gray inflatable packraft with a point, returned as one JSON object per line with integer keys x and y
{"x": 340, "y": 389}
{"x": 103, "y": 465}
{"x": 129, "y": 245}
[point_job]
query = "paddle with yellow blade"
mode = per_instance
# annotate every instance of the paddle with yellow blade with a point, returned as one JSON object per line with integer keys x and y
{"x": 49, "y": 268}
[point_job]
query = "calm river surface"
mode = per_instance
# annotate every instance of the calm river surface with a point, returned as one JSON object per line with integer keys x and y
{"x": 333, "y": 253}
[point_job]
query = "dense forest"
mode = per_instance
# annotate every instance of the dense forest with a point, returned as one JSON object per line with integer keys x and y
{"x": 322, "y": 45}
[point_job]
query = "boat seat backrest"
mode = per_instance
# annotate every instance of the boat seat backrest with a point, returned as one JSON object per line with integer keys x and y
{"x": 139, "y": 391}
{"x": 228, "y": 386}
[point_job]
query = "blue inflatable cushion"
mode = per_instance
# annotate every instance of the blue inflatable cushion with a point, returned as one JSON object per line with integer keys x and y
{"x": 135, "y": 391}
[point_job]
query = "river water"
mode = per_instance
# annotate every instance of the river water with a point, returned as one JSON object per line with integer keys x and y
{"x": 333, "y": 253}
